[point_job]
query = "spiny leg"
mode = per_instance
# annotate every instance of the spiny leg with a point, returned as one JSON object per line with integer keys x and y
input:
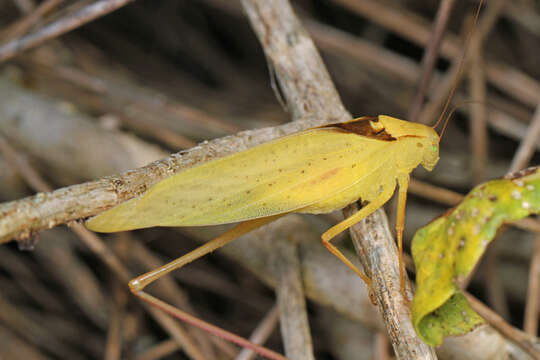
{"x": 138, "y": 284}
{"x": 403, "y": 181}
{"x": 350, "y": 221}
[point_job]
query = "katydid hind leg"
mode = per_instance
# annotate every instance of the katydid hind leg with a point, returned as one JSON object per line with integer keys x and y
{"x": 403, "y": 181}
{"x": 350, "y": 221}
{"x": 138, "y": 284}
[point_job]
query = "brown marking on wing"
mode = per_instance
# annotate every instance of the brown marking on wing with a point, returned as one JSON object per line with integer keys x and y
{"x": 362, "y": 126}
{"x": 321, "y": 178}
{"x": 411, "y": 136}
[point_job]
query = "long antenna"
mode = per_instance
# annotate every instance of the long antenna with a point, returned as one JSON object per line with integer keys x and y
{"x": 452, "y": 111}
{"x": 460, "y": 70}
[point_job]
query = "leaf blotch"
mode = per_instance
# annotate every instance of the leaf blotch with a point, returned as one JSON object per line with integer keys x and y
{"x": 461, "y": 243}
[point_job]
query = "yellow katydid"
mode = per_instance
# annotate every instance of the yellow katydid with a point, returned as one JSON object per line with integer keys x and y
{"x": 315, "y": 171}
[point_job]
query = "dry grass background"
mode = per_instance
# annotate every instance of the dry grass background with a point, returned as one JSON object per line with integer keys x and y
{"x": 156, "y": 77}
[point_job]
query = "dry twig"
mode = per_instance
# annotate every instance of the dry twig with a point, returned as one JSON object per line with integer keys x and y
{"x": 69, "y": 22}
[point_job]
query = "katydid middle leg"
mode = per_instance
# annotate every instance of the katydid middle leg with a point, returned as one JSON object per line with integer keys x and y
{"x": 403, "y": 182}
{"x": 350, "y": 221}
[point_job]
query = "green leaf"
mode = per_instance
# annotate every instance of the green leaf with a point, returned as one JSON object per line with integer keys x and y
{"x": 446, "y": 250}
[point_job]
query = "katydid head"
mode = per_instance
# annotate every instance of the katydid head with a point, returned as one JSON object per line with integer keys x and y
{"x": 425, "y": 138}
